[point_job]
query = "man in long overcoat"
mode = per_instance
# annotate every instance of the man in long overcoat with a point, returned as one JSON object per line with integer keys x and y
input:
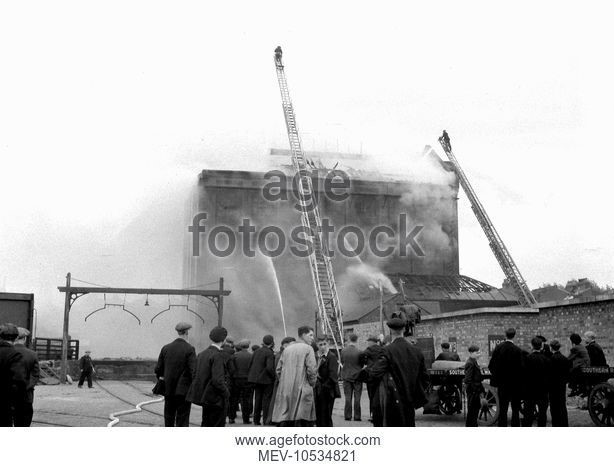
{"x": 176, "y": 368}
{"x": 368, "y": 358}
{"x": 210, "y": 386}
{"x": 537, "y": 377}
{"x": 506, "y": 369}
{"x": 297, "y": 370}
{"x": 403, "y": 376}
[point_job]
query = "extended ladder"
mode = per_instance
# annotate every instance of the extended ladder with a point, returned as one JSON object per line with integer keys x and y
{"x": 525, "y": 297}
{"x": 329, "y": 311}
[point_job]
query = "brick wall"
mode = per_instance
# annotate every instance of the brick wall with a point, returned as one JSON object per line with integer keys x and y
{"x": 552, "y": 320}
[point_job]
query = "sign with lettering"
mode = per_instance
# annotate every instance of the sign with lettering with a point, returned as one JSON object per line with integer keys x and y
{"x": 493, "y": 341}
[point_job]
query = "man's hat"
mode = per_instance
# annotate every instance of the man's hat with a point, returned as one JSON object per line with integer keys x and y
{"x": 182, "y": 326}
{"x": 9, "y": 331}
{"x": 244, "y": 344}
{"x": 218, "y": 334}
{"x": 23, "y": 332}
{"x": 268, "y": 340}
{"x": 396, "y": 323}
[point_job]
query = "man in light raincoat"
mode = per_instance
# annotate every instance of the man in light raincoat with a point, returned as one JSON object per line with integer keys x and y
{"x": 297, "y": 371}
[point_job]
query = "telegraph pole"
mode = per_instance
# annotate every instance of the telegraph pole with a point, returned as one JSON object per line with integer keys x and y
{"x": 64, "y": 370}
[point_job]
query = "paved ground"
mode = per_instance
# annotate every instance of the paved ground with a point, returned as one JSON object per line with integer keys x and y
{"x": 68, "y": 405}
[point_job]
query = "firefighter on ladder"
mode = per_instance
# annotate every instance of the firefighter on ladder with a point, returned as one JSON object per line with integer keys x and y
{"x": 446, "y": 139}
{"x": 278, "y": 53}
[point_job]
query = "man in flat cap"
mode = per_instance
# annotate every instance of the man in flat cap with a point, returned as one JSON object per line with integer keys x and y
{"x": 352, "y": 386}
{"x": 368, "y": 359}
{"x": 13, "y": 381}
{"x": 262, "y": 376}
{"x": 175, "y": 367}
{"x": 402, "y": 370}
{"x": 241, "y": 391}
{"x": 24, "y": 412}
{"x": 210, "y": 386}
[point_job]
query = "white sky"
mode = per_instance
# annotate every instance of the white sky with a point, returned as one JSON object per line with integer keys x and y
{"x": 109, "y": 108}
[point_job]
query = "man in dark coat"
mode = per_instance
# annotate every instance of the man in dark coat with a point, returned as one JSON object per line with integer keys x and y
{"x": 447, "y": 355}
{"x": 404, "y": 378}
{"x": 352, "y": 386}
{"x": 176, "y": 368}
{"x": 229, "y": 350}
{"x": 579, "y": 358}
{"x": 557, "y": 390}
{"x": 210, "y": 385}
{"x": 241, "y": 391}
{"x": 595, "y": 352}
{"x": 473, "y": 386}
{"x": 537, "y": 383}
{"x": 13, "y": 379}
{"x": 87, "y": 369}
{"x": 506, "y": 375}
{"x": 368, "y": 358}
{"x": 262, "y": 376}
{"x": 327, "y": 385}
{"x": 24, "y": 411}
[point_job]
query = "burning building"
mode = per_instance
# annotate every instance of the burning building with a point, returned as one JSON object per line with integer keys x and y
{"x": 249, "y": 237}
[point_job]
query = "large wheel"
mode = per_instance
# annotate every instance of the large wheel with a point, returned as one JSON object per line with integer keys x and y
{"x": 601, "y": 404}
{"x": 489, "y": 411}
{"x": 450, "y": 399}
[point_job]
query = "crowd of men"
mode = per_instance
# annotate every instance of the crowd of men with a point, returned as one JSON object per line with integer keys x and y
{"x": 298, "y": 384}
{"x": 540, "y": 377}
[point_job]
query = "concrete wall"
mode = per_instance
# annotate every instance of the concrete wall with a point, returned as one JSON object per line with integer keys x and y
{"x": 552, "y": 320}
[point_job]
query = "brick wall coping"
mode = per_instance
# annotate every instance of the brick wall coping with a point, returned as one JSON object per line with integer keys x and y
{"x": 575, "y": 301}
{"x": 482, "y": 311}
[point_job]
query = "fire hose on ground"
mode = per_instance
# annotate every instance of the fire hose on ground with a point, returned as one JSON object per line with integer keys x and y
{"x": 114, "y": 416}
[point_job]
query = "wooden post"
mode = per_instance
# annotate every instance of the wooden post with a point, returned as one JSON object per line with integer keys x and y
{"x": 220, "y": 303}
{"x": 381, "y": 307}
{"x": 64, "y": 370}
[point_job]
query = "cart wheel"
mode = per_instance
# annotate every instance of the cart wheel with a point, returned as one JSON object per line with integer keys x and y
{"x": 601, "y": 404}
{"x": 450, "y": 399}
{"x": 489, "y": 411}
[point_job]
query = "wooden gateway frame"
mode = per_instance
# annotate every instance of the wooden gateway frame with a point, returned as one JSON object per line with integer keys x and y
{"x": 73, "y": 293}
